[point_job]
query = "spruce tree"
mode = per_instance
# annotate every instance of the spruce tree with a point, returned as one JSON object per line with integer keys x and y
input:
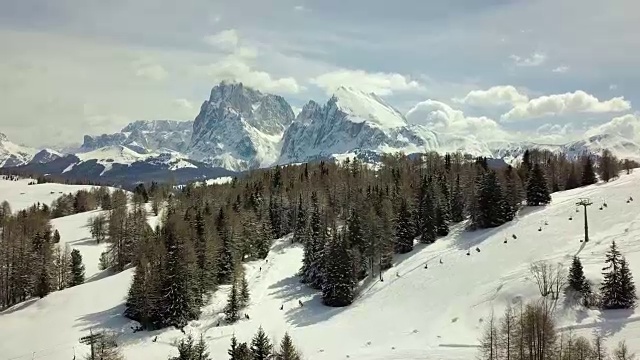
{"x": 244, "y": 291}
{"x": 404, "y": 232}
{"x": 203, "y": 246}
{"x": 143, "y": 301}
{"x": 232, "y": 310}
{"x": 226, "y": 263}
{"x": 513, "y": 192}
{"x": 261, "y": 348}
{"x": 617, "y": 289}
{"x": 355, "y": 238}
{"x": 301, "y": 229}
{"x": 77, "y": 268}
{"x": 588, "y": 171}
{"x": 457, "y": 202}
{"x": 188, "y": 349}
{"x": 443, "y": 210}
{"x": 238, "y": 351}
{"x": 56, "y": 236}
{"x": 287, "y": 350}
{"x": 181, "y": 302}
{"x": 314, "y": 247}
{"x": 338, "y": 287}
{"x": 537, "y": 189}
{"x": 492, "y": 209}
{"x": 425, "y": 213}
{"x": 578, "y": 282}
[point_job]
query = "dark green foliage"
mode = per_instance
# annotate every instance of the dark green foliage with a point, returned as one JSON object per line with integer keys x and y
{"x": 588, "y": 171}
{"x": 234, "y": 303}
{"x": 261, "y": 347}
{"x": 77, "y": 268}
{"x": 188, "y": 349}
{"x": 226, "y": 259}
{"x": 56, "y": 236}
{"x": 513, "y": 192}
{"x": 238, "y": 351}
{"x": 140, "y": 194}
{"x": 311, "y": 271}
{"x": 301, "y": 229}
{"x": 404, "y": 231}
{"x": 457, "y": 202}
{"x": 287, "y": 350}
{"x": 492, "y": 208}
{"x": 338, "y": 288}
{"x": 537, "y": 188}
{"x": 356, "y": 239}
{"x": 617, "y": 290}
{"x": 244, "y": 292}
{"x": 578, "y": 282}
{"x": 425, "y": 213}
{"x": 181, "y": 302}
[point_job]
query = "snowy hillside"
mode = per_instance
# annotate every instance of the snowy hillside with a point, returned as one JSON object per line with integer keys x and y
{"x": 415, "y": 313}
{"x": 12, "y": 154}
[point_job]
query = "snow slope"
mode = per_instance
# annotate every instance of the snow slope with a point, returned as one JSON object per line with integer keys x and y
{"x": 415, "y": 313}
{"x": 20, "y": 195}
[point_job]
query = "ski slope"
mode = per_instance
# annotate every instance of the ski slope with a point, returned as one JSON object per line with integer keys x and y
{"x": 415, "y": 313}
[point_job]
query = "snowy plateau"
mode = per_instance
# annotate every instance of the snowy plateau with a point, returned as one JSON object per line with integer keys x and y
{"x": 415, "y": 313}
{"x": 239, "y": 128}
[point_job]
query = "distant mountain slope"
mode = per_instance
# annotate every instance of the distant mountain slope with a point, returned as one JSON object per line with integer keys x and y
{"x": 12, "y": 154}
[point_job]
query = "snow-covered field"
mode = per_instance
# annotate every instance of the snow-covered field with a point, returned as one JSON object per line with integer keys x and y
{"x": 415, "y": 313}
{"x": 20, "y": 195}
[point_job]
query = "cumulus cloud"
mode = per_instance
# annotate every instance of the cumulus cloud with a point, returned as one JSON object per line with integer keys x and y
{"x": 183, "y": 104}
{"x": 231, "y": 69}
{"x": 561, "y": 69}
{"x": 494, "y": 96}
{"x": 379, "y": 83}
{"x": 567, "y": 103}
{"x": 151, "y": 72}
{"x": 442, "y": 117}
{"x": 627, "y": 126}
{"x": 536, "y": 59}
{"x": 224, "y": 40}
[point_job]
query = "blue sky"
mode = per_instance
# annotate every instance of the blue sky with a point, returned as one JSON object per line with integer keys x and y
{"x": 545, "y": 69}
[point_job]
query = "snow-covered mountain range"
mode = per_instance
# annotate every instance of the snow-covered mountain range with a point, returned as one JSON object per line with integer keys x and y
{"x": 240, "y": 128}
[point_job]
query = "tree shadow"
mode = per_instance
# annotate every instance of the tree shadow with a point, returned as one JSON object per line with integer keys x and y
{"x": 612, "y": 321}
{"x": 313, "y": 312}
{"x": 290, "y": 288}
{"x": 23, "y": 305}
{"x": 98, "y": 276}
{"x": 87, "y": 241}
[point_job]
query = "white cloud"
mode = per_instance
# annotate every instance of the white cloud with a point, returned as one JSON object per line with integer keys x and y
{"x": 183, "y": 104}
{"x": 442, "y": 117}
{"x": 561, "y": 69}
{"x": 151, "y": 72}
{"x": 224, "y": 40}
{"x": 536, "y": 59}
{"x": 613, "y": 87}
{"x": 555, "y": 129}
{"x": 231, "y": 69}
{"x": 568, "y": 103}
{"x": 300, "y": 8}
{"x": 627, "y": 126}
{"x": 494, "y": 96}
{"x": 379, "y": 83}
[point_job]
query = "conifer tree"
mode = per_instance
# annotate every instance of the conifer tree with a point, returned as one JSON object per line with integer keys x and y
{"x": 492, "y": 209}
{"x": 513, "y": 192}
{"x": 578, "y": 282}
{"x": 443, "y": 210}
{"x": 77, "y": 268}
{"x": 244, "y": 291}
{"x": 617, "y": 289}
{"x": 188, "y": 349}
{"x": 261, "y": 348}
{"x": 226, "y": 263}
{"x": 537, "y": 189}
{"x": 314, "y": 247}
{"x": 573, "y": 180}
{"x": 206, "y": 262}
{"x": 355, "y": 237}
{"x": 457, "y": 202}
{"x": 338, "y": 288}
{"x": 238, "y": 351}
{"x": 287, "y": 350}
{"x": 232, "y": 310}
{"x": 56, "y": 236}
{"x": 404, "y": 232}
{"x": 181, "y": 302}
{"x": 301, "y": 229}
{"x": 425, "y": 213}
{"x": 588, "y": 171}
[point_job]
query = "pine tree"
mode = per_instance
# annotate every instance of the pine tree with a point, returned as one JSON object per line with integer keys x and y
{"x": 188, "y": 349}
{"x": 617, "y": 289}
{"x": 232, "y": 310}
{"x": 588, "y": 171}
{"x": 457, "y": 202}
{"x": 206, "y": 262}
{"x": 238, "y": 351}
{"x": 56, "y": 236}
{"x": 181, "y": 302}
{"x": 578, "y": 282}
{"x": 404, "y": 232}
{"x": 244, "y": 291}
{"x": 301, "y": 228}
{"x": 513, "y": 192}
{"x": 312, "y": 261}
{"x": 492, "y": 209}
{"x": 261, "y": 348}
{"x": 537, "y": 189}
{"x": 443, "y": 210}
{"x": 355, "y": 237}
{"x": 338, "y": 288}
{"x": 287, "y": 350}
{"x": 77, "y": 268}
{"x": 425, "y": 213}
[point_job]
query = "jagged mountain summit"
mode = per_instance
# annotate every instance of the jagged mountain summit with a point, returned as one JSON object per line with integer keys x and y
{"x": 353, "y": 122}
{"x": 12, "y": 154}
{"x": 239, "y": 128}
{"x": 145, "y": 137}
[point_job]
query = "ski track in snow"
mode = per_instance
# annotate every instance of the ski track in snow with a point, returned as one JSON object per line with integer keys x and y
{"x": 415, "y": 313}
